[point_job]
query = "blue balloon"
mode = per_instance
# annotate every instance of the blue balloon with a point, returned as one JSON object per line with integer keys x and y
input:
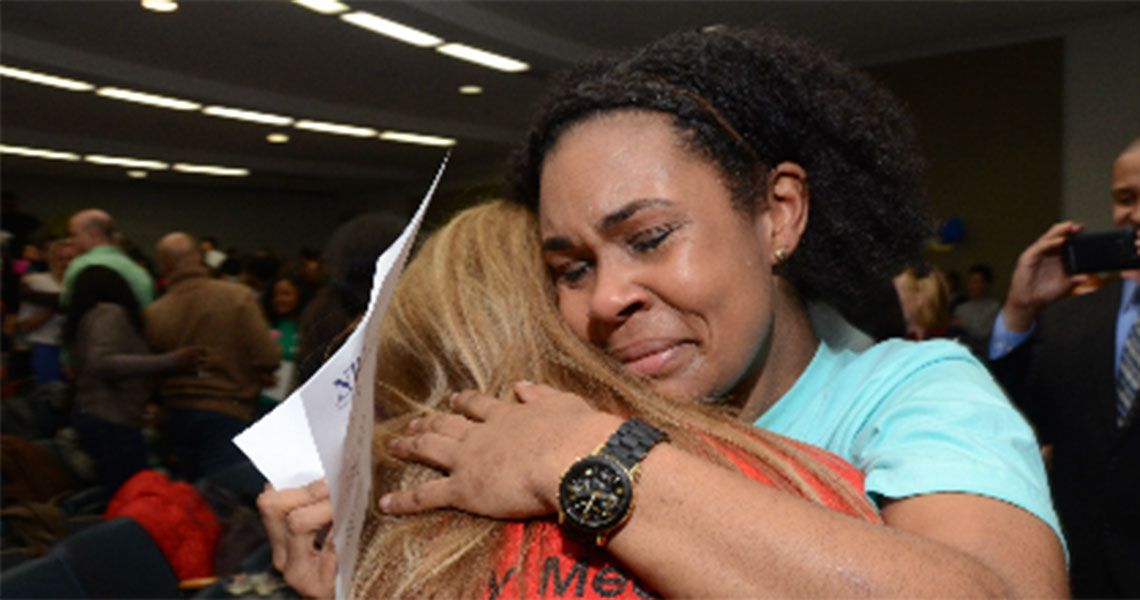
{"x": 952, "y": 231}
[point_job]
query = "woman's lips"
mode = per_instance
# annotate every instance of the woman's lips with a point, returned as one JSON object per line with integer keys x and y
{"x": 653, "y": 358}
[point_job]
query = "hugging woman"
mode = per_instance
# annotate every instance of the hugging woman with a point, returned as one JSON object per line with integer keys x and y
{"x": 707, "y": 208}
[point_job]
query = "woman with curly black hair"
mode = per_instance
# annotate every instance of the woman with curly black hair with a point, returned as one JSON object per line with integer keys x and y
{"x": 709, "y": 206}
{"x": 115, "y": 372}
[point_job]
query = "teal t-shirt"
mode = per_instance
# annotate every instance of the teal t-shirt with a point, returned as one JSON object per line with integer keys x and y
{"x": 115, "y": 259}
{"x": 916, "y": 418}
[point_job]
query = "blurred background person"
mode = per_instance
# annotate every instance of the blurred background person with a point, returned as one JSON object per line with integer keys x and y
{"x": 96, "y": 240}
{"x": 203, "y": 411}
{"x": 43, "y": 325}
{"x": 211, "y": 254}
{"x": 114, "y": 372}
{"x": 1072, "y": 364}
{"x": 925, "y": 301}
{"x": 974, "y": 317}
{"x": 284, "y": 302}
{"x": 349, "y": 260}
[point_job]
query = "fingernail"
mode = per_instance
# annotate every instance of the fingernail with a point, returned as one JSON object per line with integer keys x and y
{"x": 385, "y": 502}
{"x": 393, "y": 443}
{"x": 414, "y": 424}
{"x": 526, "y": 382}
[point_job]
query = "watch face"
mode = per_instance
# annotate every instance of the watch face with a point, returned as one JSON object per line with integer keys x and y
{"x": 595, "y": 493}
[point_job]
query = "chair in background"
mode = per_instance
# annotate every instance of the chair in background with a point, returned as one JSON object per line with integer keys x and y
{"x": 118, "y": 559}
{"x": 44, "y": 577}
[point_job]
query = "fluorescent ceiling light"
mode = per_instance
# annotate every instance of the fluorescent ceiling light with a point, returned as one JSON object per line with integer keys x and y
{"x": 162, "y": 6}
{"x": 392, "y": 29}
{"x": 470, "y": 90}
{"x": 247, "y": 115}
{"x": 335, "y": 128}
{"x": 38, "y": 153}
{"x": 145, "y": 98}
{"x": 211, "y": 170}
{"x": 122, "y": 161}
{"x": 325, "y": 7}
{"x": 73, "y": 85}
{"x": 482, "y": 57}
{"x": 277, "y": 138}
{"x": 134, "y": 174}
{"x": 416, "y": 138}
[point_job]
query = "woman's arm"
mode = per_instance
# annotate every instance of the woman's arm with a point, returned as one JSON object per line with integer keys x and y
{"x": 109, "y": 353}
{"x": 701, "y": 530}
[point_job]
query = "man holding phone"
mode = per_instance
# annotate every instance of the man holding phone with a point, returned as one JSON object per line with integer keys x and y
{"x": 1072, "y": 364}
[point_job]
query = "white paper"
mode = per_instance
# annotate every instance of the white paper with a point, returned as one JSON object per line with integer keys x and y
{"x": 328, "y": 421}
{"x": 281, "y": 446}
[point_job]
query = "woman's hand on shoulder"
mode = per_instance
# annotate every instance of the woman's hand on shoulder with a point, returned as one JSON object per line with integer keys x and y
{"x": 501, "y": 459}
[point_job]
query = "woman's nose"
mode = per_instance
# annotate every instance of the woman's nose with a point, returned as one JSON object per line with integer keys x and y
{"x": 616, "y": 296}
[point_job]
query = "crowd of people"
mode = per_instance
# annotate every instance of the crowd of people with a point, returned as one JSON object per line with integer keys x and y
{"x": 672, "y": 307}
{"x": 158, "y": 364}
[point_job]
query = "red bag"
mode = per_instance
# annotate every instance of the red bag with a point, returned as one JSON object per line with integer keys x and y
{"x": 176, "y": 516}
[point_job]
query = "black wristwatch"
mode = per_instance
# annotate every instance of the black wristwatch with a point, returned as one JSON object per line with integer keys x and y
{"x": 595, "y": 497}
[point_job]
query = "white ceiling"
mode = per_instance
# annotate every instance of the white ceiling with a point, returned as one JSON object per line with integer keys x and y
{"x": 278, "y": 57}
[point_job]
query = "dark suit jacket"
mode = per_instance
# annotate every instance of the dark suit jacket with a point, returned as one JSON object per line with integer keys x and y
{"x": 1064, "y": 379}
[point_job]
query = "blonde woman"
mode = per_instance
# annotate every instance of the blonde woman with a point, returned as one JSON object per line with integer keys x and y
{"x": 925, "y": 302}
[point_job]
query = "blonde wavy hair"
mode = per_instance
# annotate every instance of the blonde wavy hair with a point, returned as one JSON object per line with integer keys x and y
{"x": 925, "y": 301}
{"x": 476, "y": 309}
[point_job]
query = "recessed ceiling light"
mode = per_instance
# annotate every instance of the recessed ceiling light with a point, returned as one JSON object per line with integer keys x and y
{"x": 211, "y": 170}
{"x": 122, "y": 161}
{"x": 73, "y": 85}
{"x": 416, "y": 138}
{"x": 247, "y": 115}
{"x": 470, "y": 90}
{"x": 149, "y": 99}
{"x": 325, "y": 7}
{"x": 136, "y": 174}
{"x": 335, "y": 128}
{"x": 277, "y": 138}
{"x": 38, "y": 153}
{"x": 392, "y": 29}
{"x": 161, "y": 6}
{"x": 482, "y": 57}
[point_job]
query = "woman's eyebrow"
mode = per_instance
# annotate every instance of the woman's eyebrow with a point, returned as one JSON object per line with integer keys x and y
{"x": 624, "y": 213}
{"x": 608, "y": 222}
{"x": 555, "y": 244}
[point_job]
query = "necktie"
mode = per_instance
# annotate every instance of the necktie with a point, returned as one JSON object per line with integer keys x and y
{"x": 1128, "y": 381}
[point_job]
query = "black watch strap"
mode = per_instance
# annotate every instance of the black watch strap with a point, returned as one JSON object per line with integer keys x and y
{"x": 632, "y": 441}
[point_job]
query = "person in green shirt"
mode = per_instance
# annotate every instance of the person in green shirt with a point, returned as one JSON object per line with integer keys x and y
{"x": 283, "y": 302}
{"x": 95, "y": 237}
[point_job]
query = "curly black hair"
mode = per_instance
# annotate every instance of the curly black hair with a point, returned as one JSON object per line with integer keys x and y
{"x": 748, "y": 100}
{"x": 94, "y": 285}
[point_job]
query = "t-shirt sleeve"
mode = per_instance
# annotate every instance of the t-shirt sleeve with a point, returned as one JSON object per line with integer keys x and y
{"x": 945, "y": 426}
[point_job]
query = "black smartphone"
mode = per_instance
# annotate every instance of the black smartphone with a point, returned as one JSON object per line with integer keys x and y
{"x": 1101, "y": 251}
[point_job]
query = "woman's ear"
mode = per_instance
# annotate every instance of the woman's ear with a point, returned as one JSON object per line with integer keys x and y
{"x": 787, "y": 211}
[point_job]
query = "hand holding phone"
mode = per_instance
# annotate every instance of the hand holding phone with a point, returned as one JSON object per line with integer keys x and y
{"x": 1101, "y": 251}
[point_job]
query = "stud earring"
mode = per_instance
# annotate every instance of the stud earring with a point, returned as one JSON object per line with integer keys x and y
{"x": 780, "y": 255}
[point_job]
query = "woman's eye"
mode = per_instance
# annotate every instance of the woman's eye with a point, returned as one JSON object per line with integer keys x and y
{"x": 649, "y": 239}
{"x": 571, "y": 273}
